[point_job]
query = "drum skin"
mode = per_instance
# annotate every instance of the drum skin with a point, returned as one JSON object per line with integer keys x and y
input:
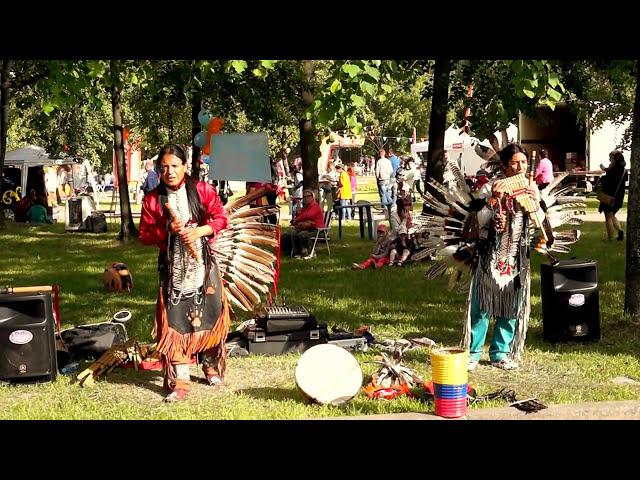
{"x": 328, "y": 375}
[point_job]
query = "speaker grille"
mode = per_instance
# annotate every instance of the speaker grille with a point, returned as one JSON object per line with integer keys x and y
{"x": 27, "y": 344}
{"x": 570, "y": 303}
{"x": 28, "y": 360}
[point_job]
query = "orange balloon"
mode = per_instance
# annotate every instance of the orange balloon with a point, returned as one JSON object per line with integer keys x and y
{"x": 206, "y": 149}
{"x": 215, "y": 126}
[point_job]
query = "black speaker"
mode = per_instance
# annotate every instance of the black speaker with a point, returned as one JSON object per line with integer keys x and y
{"x": 75, "y": 211}
{"x": 570, "y": 303}
{"x": 27, "y": 338}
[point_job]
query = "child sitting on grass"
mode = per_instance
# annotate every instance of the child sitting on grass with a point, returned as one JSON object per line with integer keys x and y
{"x": 380, "y": 254}
{"x": 402, "y": 245}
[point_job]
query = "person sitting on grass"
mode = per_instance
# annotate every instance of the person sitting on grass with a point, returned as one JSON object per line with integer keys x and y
{"x": 23, "y": 206}
{"x": 37, "y": 214}
{"x": 402, "y": 246}
{"x": 379, "y": 256}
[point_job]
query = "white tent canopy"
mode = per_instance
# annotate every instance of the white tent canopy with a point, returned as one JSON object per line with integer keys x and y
{"x": 34, "y": 156}
{"x": 26, "y": 157}
{"x": 31, "y": 154}
{"x": 460, "y": 147}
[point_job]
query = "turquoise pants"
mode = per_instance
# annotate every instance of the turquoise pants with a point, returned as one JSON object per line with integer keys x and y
{"x": 502, "y": 333}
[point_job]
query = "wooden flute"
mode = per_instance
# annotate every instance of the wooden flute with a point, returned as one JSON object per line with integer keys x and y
{"x": 190, "y": 246}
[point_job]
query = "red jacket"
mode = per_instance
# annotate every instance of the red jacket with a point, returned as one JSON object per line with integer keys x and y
{"x": 153, "y": 223}
{"x": 311, "y": 212}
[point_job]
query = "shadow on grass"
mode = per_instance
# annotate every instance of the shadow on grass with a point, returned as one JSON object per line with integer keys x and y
{"x": 147, "y": 379}
{"x": 397, "y": 303}
{"x": 271, "y": 393}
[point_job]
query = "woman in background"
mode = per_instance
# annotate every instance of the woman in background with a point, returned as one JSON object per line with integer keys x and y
{"x": 613, "y": 184}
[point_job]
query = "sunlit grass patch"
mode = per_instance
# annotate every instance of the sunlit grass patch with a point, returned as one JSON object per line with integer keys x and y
{"x": 396, "y": 303}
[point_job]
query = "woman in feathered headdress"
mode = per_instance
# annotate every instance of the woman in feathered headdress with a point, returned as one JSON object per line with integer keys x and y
{"x": 501, "y": 275}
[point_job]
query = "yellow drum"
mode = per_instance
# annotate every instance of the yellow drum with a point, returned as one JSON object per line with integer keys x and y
{"x": 449, "y": 366}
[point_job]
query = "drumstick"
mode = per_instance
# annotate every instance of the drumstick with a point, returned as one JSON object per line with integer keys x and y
{"x": 190, "y": 246}
{"x": 44, "y": 288}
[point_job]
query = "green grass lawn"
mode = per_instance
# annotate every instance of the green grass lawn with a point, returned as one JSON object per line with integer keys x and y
{"x": 396, "y": 303}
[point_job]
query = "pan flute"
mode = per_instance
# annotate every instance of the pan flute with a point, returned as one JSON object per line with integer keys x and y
{"x": 189, "y": 245}
{"x": 516, "y": 186}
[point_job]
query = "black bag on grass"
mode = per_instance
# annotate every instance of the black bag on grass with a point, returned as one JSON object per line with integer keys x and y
{"x": 91, "y": 341}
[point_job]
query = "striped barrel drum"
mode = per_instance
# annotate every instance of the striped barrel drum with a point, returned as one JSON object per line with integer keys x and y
{"x": 450, "y": 378}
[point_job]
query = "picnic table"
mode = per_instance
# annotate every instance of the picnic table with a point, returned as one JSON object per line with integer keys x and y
{"x": 364, "y": 214}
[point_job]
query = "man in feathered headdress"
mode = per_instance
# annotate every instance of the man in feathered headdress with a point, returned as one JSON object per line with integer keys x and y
{"x": 192, "y": 314}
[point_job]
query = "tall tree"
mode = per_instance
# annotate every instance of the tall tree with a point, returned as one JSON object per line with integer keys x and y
{"x": 14, "y": 79}
{"x": 632, "y": 274}
{"x": 402, "y": 108}
{"x": 307, "y": 132}
{"x": 196, "y": 107}
{"x": 127, "y": 227}
{"x": 4, "y": 116}
{"x": 80, "y": 130}
{"x": 438, "y": 122}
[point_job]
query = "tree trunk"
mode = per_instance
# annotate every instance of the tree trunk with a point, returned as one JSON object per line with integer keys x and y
{"x": 4, "y": 121}
{"x": 127, "y": 227}
{"x": 196, "y": 106}
{"x": 307, "y": 150}
{"x": 438, "y": 120}
{"x": 632, "y": 276}
{"x": 285, "y": 163}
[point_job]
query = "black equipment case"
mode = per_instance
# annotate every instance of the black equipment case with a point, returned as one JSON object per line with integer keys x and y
{"x": 286, "y": 319}
{"x": 278, "y": 325}
{"x": 262, "y": 342}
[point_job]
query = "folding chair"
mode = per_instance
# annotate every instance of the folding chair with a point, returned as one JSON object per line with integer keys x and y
{"x": 324, "y": 232}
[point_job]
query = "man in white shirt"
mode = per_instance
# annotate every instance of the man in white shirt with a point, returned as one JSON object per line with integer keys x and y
{"x": 383, "y": 173}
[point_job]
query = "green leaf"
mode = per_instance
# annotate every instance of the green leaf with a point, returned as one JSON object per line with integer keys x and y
{"x": 335, "y": 86}
{"x": 325, "y": 116}
{"x": 351, "y": 69}
{"x": 351, "y": 121}
{"x": 377, "y": 63}
{"x": 553, "y": 79}
{"x": 134, "y": 79}
{"x": 268, "y": 64}
{"x": 48, "y": 107}
{"x": 528, "y": 93}
{"x": 382, "y": 98}
{"x": 96, "y": 69}
{"x": 316, "y": 104}
{"x": 357, "y": 100}
{"x": 554, "y": 94}
{"x": 372, "y": 72}
{"x": 239, "y": 65}
{"x": 368, "y": 88}
{"x": 258, "y": 72}
{"x": 387, "y": 88}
